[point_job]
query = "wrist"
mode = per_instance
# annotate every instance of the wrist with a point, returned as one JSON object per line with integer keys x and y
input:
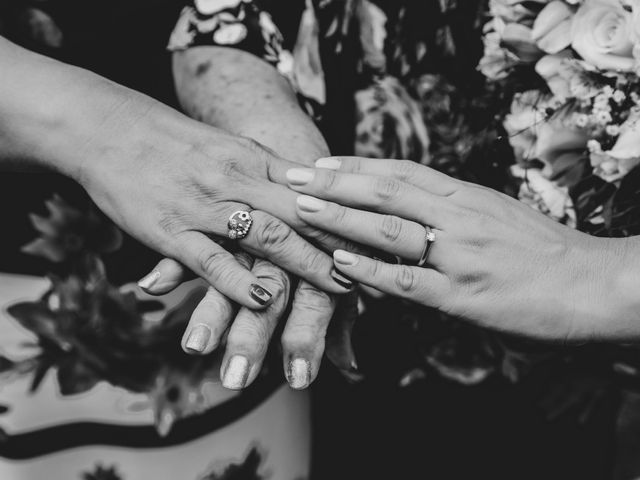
{"x": 623, "y": 322}
{"x": 606, "y": 303}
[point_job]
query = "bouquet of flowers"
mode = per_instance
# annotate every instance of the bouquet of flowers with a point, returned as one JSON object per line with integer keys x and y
{"x": 573, "y": 66}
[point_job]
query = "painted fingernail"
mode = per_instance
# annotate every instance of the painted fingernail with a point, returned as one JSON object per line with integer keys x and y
{"x": 260, "y": 294}
{"x": 341, "y": 279}
{"x": 300, "y": 176}
{"x": 310, "y": 204}
{"x": 299, "y": 373}
{"x": 150, "y": 280}
{"x": 344, "y": 258}
{"x": 198, "y": 338}
{"x": 236, "y": 373}
{"x": 331, "y": 163}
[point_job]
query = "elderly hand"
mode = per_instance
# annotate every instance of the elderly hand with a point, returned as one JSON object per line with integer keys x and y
{"x": 174, "y": 183}
{"x": 246, "y": 334}
{"x": 495, "y": 260}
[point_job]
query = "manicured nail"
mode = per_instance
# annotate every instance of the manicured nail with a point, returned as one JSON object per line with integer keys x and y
{"x": 341, "y": 279}
{"x": 300, "y": 176}
{"x": 310, "y": 204}
{"x": 260, "y": 294}
{"x": 331, "y": 163}
{"x": 299, "y": 374}
{"x": 149, "y": 281}
{"x": 198, "y": 338}
{"x": 236, "y": 373}
{"x": 344, "y": 258}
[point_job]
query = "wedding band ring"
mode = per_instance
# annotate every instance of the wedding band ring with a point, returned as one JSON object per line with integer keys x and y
{"x": 239, "y": 224}
{"x": 429, "y": 238}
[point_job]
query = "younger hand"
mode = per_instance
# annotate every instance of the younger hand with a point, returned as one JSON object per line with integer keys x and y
{"x": 495, "y": 260}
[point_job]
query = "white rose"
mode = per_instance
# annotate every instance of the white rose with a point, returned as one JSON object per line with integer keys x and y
{"x": 601, "y": 32}
{"x": 552, "y": 28}
{"x": 208, "y": 7}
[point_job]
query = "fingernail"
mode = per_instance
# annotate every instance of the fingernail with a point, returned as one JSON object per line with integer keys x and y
{"x": 331, "y": 163}
{"x": 344, "y": 258}
{"x": 198, "y": 338}
{"x": 299, "y": 374}
{"x": 300, "y": 176}
{"x": 149, "y": 281}
{"x": 260, "y": 294}
{"x": 310, "y": 204}
{"x": 341, "y": 279}
{"x": 236, "y": 373}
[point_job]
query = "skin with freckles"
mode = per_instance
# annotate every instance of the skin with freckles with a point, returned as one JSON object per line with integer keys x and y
{"x": 494, "y": 261}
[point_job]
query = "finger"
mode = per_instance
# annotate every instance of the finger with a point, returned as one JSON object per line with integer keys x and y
{"x": 403, "y": 170}
{"x": 339, "y": 348}
{"x": 421, "y": 285}
{"x": 251, "y": 331}
{"x": 279, "y": 201}
{"x": 164, "y": 277}
{"x": 388, "y": 233}
{"x": 381, "y": 194}
{"x": 303, "y": 338}
{"x": 274, "y": 240}
{"x": 221, "y": 270}
{"x": 211, "y": 318}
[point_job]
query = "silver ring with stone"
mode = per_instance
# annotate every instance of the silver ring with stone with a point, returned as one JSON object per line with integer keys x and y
{"x": 429, "y": 238}
{"x": 239, "y": 224}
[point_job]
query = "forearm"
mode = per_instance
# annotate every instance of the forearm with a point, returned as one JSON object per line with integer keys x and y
{"x": 238, "y": 92}
{"x": 57, "y": 116}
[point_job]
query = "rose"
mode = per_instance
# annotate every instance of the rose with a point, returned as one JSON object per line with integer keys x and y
{"x": 209, "y": 7}
{"x": 602, "y": 33}
{"x": 552, "y": 28}
{"x": 516, "y": 11}
{"x": 558, "y": 73}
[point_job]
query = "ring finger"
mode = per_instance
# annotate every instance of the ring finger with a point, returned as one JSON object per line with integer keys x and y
{"x": 388, "y": 233}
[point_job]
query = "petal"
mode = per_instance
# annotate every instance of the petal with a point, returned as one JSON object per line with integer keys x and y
{"x": 209, "y": 7}
{"x": 549, "y": 18}
{"x": 557, "y": 39}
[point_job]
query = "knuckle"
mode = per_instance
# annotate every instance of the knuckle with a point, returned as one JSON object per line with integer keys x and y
{"x": 212, "y": 262}
{"x": 301, "y": 337}
{"x": 340, "y": 215}
{"x": 314, "y": 261}
{"x": 247, "y": 336}
{"x": 310, "y": 298}
{"x": 230, "y": 167}
{"x": 391, "y": 228}
{"x": 330, "y": 179}
{"x": 405, "y": 279}
{"x": 405, "y": 170}
{"x": 273, "y": 233}
{"x": 385, "y": 189}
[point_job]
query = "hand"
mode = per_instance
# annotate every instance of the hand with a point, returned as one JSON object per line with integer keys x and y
{"x": 495, "y": 260}
{"x": 247, "y": 333}
{"x": 178, "y": 189}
